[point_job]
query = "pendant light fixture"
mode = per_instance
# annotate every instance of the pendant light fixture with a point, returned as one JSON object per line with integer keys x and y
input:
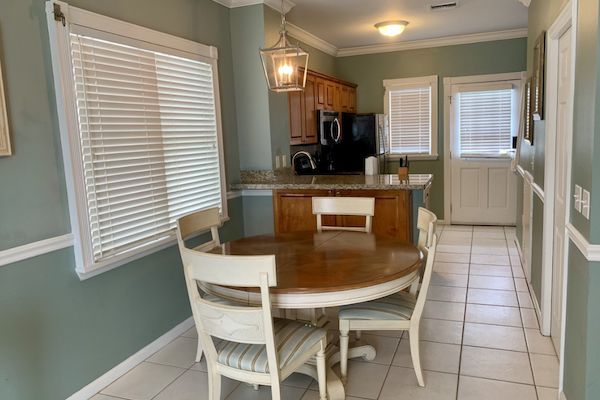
{"x": 285, "y": 65}
{"x": 391, "y": 28}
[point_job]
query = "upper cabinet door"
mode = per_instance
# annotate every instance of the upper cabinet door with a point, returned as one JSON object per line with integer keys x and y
{"x": 295, "y": 100}
{"x": 310, "y": 113}
{"x": 345, "y": 98}
{"x": 352, "y": 100}
{"x": 321, "y": 94}
{"x": 330, "y": 90}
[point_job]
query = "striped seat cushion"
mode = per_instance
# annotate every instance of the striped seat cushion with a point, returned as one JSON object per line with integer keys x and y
{"x": 396, "y": 307}
{"x": 292, "y": 339}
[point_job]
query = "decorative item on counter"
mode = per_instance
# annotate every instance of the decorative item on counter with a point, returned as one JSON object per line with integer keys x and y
{"x": 371, "y": 166}
{"x": 403, "y": 169}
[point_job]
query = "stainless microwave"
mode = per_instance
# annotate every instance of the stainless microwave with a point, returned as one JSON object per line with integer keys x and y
{"x": 329, "y": 128}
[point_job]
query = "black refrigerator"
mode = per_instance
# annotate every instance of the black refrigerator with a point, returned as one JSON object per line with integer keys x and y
{"x": 363, "y": 135}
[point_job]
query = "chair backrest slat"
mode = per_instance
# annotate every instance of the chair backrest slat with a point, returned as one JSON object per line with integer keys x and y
{"x": 427, "y": 225}
{"x": 360, "y": 206}
{"x": 237, "y": 324}
{"x": 198, "y": 222}
{"x": 420, "y": 305}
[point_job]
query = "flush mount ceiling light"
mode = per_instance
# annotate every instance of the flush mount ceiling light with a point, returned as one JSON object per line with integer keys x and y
{"x": 284, "y": 65}
{"x": 391, "y": 28}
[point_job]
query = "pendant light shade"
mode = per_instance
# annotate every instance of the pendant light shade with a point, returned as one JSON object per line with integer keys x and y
{"x": 285, "y": 65}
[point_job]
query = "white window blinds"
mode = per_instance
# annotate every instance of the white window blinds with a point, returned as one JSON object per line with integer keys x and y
{"x": 410, "y": 121}
{"x": 149, "y": 141}
{"x": 485, "y": 122}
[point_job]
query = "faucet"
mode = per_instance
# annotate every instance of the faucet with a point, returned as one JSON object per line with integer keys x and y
{"x": 310, "y": 158}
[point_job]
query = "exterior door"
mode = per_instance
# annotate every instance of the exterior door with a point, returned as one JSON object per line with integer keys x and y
{"x": 563, "y": 127}
{"x": 484, "y": 189}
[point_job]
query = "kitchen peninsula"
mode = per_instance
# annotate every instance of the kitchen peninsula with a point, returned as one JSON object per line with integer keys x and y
{"x": 396, "y": 200}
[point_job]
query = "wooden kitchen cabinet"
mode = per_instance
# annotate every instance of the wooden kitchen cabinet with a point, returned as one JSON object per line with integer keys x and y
{"x": 393, "y": 211}
{"x": 322, "y": 92}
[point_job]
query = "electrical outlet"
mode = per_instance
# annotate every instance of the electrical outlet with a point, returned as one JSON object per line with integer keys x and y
{"x": 277, "y": 165}
{"x": 577, "y": 197}
{"x": 284, "y": 160}
{"x": 585, "y": 204}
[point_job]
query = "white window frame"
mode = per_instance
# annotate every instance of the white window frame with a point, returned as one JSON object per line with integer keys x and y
{"x": 408, "y": 83}
{"x": 86, "y": 267}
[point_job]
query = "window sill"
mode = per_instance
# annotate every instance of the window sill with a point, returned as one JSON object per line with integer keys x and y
{"x": 413, "y": 157}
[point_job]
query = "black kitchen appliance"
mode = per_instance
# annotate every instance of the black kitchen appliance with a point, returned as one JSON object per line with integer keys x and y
{"x": 365, "y": 135}
{"x": 328, "y": 127}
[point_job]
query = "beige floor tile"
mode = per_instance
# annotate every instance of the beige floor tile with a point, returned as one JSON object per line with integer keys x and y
{"x": 401, "y": 383}
{"x": 451, "y": 268}
{"x": 478, "y": 241}
{"x": 193, "y": 385}
{"x": 490, "y": 270}
{"x": 511, "y": 242}
{"x": 547, "y": 393}
{"x": 442, "y": 279}
{"x": 143, "y": 382}
{"x": 245, "y": 392}
{"x": 518, "y": 272}
{"x": 494, "y": 315}
{"x": 436, "y": 330}
{"x": 181, "y": 352}
{"x": 314, "y": 395}
{"x": 470, "y": 388}
{"x": 392, "y": 334}
{"x": 439, "y": 357}
{"x": 491, "y": 282}
{"x": 444, "y": 310}
{"x": 450, "y": 248}
{"x": 515, "y": 261}
{"x": 492, "y": 297}
{"x": 457, "y": 234}
{"x": 463, "y": 228}
{"x": 456, "y": 241}
{"x": 529, "y": 318}
{"x": 524, "y": 300}
{"x": 447, "y": 293}
{"x": 488, "y": 228}
{"x": 545, "y": 370}
{"x": 489, "y": 259}
{"x": 453, "y": 257}
{"x": 104, "y": 397}
{"x": 191, "y": 333}
{"x": 489, "y": 250}
{"x": 521, "y": 285}
{"x": 489, "y": 235}
{"x": 494, "y": 337}
{"x": 384, "y": 346}
{"x": 539, "y": 344}
{"x": 298, "y": 380}
{"x": 512, "y": 251}
{"x": 502, "y": 365}
{"x": 365, "y": 380}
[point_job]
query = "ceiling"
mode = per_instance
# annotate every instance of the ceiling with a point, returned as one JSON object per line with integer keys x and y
{"x": 350, "y": 23}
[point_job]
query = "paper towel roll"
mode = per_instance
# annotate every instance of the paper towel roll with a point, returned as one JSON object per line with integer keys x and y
{"x": 371, "y": 166}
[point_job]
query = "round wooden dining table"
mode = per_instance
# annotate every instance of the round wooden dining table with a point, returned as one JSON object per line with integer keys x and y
{"x": 326, "y": 269}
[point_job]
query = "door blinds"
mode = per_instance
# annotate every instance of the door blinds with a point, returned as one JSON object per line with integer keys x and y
{"x": 410, "y": 121}
{"x": 148, "y": 134}
{"x": 485, "y": 122}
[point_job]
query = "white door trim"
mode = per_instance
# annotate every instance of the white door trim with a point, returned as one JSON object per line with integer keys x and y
{"x": 566, "y": 19}
{"x": 448, "y": 82}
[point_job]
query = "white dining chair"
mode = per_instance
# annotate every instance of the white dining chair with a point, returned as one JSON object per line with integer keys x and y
{"x": 192, "y": 224}
{"x": 255, "y": 348}
{"x": 359, "y": 206}
{"x": 427, "y": 226}
{"x": 399, "y": 311}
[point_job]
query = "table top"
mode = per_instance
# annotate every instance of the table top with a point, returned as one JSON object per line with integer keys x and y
{"x": 332, "y": 261}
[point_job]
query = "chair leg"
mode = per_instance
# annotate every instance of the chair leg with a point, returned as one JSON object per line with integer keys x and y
{"x": 414, "y": 288}
{"x": 344, "y": 339}
{"x": 357, "y": 334}
{"x": 322, "y": 373}
{"x": 276, "y": 391}
{"x": 199, "y": 352}
{"x": 214, "y": 386}
{"x": 415, "y": 352}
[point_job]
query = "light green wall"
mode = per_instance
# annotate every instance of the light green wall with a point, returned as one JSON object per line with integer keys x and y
{"x": 258, "y": 215}
{"x": 369, "y": 71}
{"x": 58, "y": 333}
{"x": 537, "y": 247}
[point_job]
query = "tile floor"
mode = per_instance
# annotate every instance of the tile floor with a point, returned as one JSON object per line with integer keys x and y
{"x": 480, "y": 340}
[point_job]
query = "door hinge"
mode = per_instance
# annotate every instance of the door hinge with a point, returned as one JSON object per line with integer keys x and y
{"x": 450, "y": 207}
{"x": 384, "y": 90}
{"x": 450, "y": 97}
{"x": 451, "y": 155}
{"x": 59, "y": 15}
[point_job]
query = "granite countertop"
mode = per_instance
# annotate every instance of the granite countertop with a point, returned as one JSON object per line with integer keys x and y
{"x": 286, "y": 179}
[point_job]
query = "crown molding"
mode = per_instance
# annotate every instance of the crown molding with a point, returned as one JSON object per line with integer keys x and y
{"x": 274, "y": 4}
{"x": 427, "y": 43}
{"x": 311, "y": 40}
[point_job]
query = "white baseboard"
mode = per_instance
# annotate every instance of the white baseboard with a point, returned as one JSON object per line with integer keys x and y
{"x": 136, "y": 359}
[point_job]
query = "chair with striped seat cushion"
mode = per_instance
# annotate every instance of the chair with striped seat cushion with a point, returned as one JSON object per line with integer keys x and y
{"x": 400, "y": 311}
{"x": 254, "y": 348}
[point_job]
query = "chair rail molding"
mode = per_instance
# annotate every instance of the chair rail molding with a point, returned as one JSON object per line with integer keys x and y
{"x": 34, "y": 249}
{"x": 590, "y": 251}
{"x": 538, "y": 190}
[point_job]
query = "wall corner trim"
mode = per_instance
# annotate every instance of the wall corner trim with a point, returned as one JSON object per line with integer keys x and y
{"x": 590, "y": 251}
{"x": 34, "y": 249}
{"x": 130, "y": 363}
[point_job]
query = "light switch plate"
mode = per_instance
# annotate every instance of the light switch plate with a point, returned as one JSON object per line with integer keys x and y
{"x": 577, "y": 196}
{"x": 277, "y": 165}
{"x": 585, "y": 204}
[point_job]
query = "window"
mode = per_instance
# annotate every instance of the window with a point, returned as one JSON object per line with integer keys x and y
{"x": 142, "y": 123}
{"x": 411, "y": 105}
{"x": 485, "y": 119}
